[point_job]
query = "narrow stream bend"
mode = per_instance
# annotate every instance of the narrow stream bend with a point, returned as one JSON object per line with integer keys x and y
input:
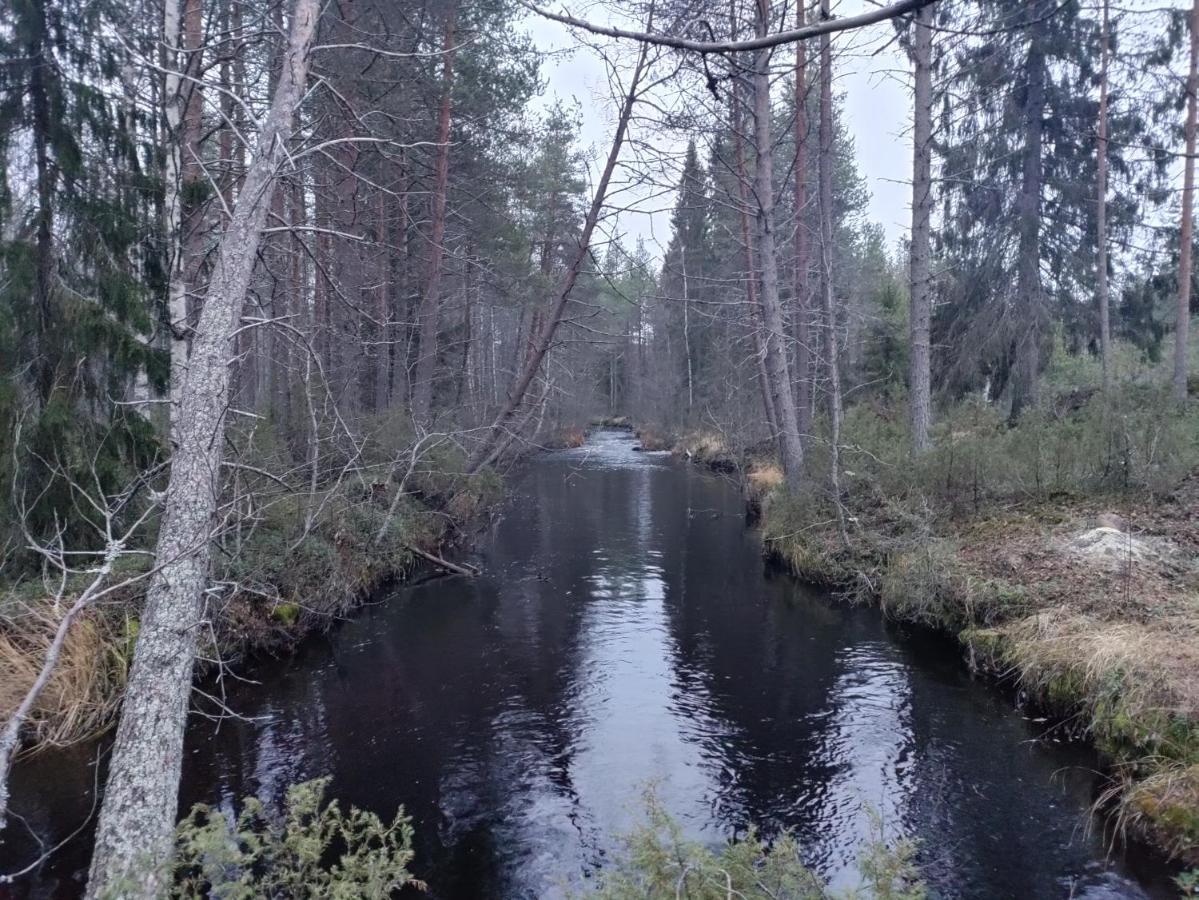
{"x": 625, "y": 631}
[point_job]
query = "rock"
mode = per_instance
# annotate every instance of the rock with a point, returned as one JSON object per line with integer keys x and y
{"x": 1111, "y": 520}
{"x": 1111, "y": 548}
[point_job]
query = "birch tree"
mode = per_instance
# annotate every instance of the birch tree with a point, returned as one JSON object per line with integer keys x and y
{"x": 137, "y": 819}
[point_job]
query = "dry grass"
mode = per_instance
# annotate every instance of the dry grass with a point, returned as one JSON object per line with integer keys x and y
{"x": 85, "y": 689}
{"x": 763, "y": 478}
{"x": 1112, "y": 643}
{"x": 1165, "y": 805}
{"x": 709, "y": 449}
{"x": 653, "y": 440}
{"x": 568, "y": 437}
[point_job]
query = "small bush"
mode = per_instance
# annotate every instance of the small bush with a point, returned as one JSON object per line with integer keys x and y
{"x": 315, "y": 850}
{"x": 657, "y": 863}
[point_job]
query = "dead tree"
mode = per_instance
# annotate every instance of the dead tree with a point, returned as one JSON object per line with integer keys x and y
{"x": 135, "y": 833}
{"x": 500, "y": 434}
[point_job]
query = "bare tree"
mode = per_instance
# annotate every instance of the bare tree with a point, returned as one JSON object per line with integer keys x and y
{"x": 762, "y": 41}
{"x": 137, "y": 819}
{"x": 499, "y": 435}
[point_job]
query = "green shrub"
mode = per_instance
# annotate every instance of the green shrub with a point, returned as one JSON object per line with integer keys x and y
{"x": 314, "y": 851}
{"x": 657, "y": 863}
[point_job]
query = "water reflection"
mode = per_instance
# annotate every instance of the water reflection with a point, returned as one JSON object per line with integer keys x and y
{"x": 625, "y": 632}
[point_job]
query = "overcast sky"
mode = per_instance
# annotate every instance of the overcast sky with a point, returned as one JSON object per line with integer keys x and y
{"x": 870, "y": 73}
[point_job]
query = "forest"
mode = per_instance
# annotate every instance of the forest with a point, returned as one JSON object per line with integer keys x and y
{"x": 295, "y": 294}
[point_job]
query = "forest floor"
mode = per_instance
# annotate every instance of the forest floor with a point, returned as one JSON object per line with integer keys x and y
{"x": 1088, "y": 602}
{"x": 298, "y": 565}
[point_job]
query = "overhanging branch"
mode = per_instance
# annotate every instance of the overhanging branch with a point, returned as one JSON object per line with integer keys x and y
{"x": 829, "y": 26}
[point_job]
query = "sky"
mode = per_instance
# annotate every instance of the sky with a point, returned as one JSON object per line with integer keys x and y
{"x": 870, "y": 73}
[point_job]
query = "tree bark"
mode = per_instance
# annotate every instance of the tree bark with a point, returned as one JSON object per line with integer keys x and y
{"x": 832, "y": 355}
{"x": 135, "y": 833}
{"x": 428, "y": 319}
{"x": 1027, "y": 361}
{"x": 499, "y": 434}
{"x": 1101, "y": 282}
{"x": 1182, "y": 319}
{"x": 789, "y": 444}
{"x": 801, "y": 311}
{"x": 751, "y": 270}
{"x": 919, "y": 375}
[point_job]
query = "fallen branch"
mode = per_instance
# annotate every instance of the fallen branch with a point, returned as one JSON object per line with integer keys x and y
{"x": 465, "y": 569}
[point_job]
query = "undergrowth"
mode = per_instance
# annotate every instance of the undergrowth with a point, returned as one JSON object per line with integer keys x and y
{"x": 972, "y": 538}
{"x": 657, "y": 862}
{"x": 313, "y": 851}
{"x": 289, "y": 563}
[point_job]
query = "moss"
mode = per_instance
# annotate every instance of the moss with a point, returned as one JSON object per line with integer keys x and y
{"x": 286, "y": 614}
{"x": 1167, "y": 804}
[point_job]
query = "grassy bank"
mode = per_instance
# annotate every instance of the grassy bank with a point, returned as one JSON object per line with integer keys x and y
{"x": 290, "y": 565}
{"x": 1064, "y": 555}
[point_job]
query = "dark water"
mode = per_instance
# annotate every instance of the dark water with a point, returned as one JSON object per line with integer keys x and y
{"x": 626, "y": 632}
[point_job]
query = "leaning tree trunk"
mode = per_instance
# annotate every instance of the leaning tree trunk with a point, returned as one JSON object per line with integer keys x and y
{"x": 135, "y": 833}
{"x": 428, "y": 318}
{"x": 502, "y": 430}
{"x": 1028, "y": 275}
{"x": 789, "y": 444}
{"x": 1182, "y": 320}
{"x": 919, "y": 374}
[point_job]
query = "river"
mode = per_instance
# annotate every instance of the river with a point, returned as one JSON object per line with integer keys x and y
{"x": 626, "y": 633}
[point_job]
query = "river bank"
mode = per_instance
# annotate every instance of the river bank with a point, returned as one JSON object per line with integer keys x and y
{"x": 296, "y": 565}
{"x": 624, "y": 633}
{"x": 1087, "y": 602}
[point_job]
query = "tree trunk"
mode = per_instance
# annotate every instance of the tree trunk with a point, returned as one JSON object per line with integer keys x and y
{"x": 500, "y": 433}
{"x": 919, "y": 375}
{"x": 1027, "y": 361}
{"x": 802, "y": 311}
{"x": 427, "y": 315}
{"x": 1182, "y": 320}
{"x": 46, "y": 374}
{"x": 1101, "y": 284}
{"x": 135, "y": 833}
{"x": 832, "y": 356}
{"x": 751, "y": 269}
{"x": 790, "y": 447}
